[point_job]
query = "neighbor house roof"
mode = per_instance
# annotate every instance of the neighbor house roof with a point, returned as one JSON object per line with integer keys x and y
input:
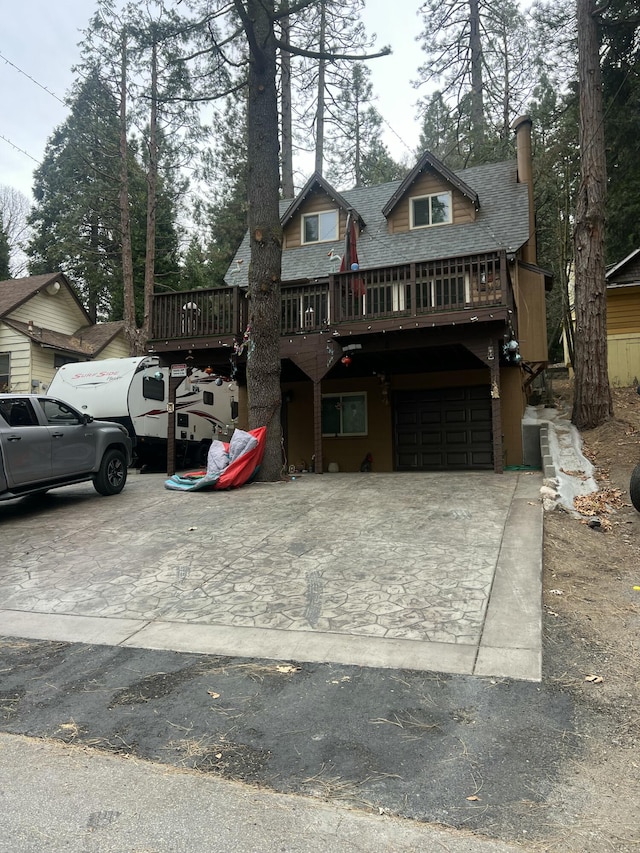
{"x": 502, "y": 223}
{"x": 16, "y": 291}
{"x": 626, "y": 272}
{"x": 87, "y": 341}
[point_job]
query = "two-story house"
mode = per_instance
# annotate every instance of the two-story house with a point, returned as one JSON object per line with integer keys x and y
{"x": 43, "y": 325}
{"x": 413, "y": 318}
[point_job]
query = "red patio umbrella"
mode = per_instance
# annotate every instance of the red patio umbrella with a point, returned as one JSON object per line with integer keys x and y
{"x": 350, "y": 256}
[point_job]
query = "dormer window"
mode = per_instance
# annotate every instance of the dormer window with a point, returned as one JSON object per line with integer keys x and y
{"x": 320, "y": 227}
{"x": 430, "y": 210}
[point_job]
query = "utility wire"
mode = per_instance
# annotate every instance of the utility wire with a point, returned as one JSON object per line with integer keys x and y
{"x": 33, "y": 80}
{"x": 17, "y": 148}
{"x": 44, "y": 89}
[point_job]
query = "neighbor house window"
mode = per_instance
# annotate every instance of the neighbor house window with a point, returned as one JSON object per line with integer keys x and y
{"x": 60, "y": 360}
{"x": 344, "y": 414}
{"x": 430, "y": 210}
{"x": 4, "y": 372}
{"x": 320, "y": 227}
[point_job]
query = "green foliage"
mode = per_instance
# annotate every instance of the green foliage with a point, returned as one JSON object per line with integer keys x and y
{"x": 556, "y": 165}
{"x": 621, "y": 83}
{"x": 378, "y": 166}
{"x": 223, "y": 215}
{"x": 478, "y": 55}
{"x": 357, "y": 157}
{"x": 75, "y": 220}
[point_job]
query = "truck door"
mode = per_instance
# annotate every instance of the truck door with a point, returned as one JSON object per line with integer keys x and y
{"x": 26, "y": 445}
{"x": 73, "y": 447}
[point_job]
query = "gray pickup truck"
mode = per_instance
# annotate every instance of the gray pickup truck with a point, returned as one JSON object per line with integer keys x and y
{"x": 45, "y": 443}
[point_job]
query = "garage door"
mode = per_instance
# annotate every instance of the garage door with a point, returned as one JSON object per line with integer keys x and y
{"x": 443, "y": 429}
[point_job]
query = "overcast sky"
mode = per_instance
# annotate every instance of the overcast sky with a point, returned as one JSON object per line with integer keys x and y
{"x": 38, "y": 46}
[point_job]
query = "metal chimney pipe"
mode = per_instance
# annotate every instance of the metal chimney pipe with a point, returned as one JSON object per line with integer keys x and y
{"x": 522, "y": 128}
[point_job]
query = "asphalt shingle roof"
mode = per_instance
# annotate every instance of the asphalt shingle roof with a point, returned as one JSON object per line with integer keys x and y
{"x": 15, "y": 291}
{"x": 502, "y": 223}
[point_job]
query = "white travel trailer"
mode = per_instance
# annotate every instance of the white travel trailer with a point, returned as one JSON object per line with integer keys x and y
{"x": 135, "y": 392}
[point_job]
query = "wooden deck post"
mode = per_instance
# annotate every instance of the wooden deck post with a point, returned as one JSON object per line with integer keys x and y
{"x": 317, "y": 426}
{"x": 174, "y": 381}
{"x": 496, "y": 416}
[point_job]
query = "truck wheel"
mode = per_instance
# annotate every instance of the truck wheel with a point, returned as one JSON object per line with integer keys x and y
{"x": 634, "y": 487}
{"x": 112, "y": 475}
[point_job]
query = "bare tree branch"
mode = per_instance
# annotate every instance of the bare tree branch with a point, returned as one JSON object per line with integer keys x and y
{"x": 298, "y": 51}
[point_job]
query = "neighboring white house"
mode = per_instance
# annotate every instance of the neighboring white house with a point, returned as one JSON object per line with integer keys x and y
{"x": 44, "y": 325}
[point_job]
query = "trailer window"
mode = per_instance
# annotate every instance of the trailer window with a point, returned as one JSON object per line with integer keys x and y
{"x": 207, "y": 398}
{"x": 152, "y": 388}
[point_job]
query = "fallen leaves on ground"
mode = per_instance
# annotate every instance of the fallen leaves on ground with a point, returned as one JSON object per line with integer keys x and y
{"x": 599, "y": 503}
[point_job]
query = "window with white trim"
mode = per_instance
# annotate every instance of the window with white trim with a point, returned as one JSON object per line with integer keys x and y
{"x": 320, "y": 227}
{"x": 344, "y": 414}
{"x": 430, "y": 210}
{"x": 5, "y": 363}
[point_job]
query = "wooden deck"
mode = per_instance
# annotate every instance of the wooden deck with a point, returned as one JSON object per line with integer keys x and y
{"x": 362, "y": 301}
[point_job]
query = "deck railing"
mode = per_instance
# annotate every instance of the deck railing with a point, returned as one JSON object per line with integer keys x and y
{"x": 208, "y": 312}
{"x": 404, "y": 290}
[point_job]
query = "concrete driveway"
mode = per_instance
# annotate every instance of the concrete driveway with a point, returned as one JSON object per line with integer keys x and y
{"x": 431, "y": 571}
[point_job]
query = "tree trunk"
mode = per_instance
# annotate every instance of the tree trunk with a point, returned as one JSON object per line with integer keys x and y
{"x": 592, "y": 404}
{"x": 129, "y": 307}
{"x": 321, "y": 83}
{"x": 288, "y": 190}
{"x": 265, "y": 233}
{"x": 152, "y": 205}
{"x": 357, "y": 92}
{"x": 477, "y": 90}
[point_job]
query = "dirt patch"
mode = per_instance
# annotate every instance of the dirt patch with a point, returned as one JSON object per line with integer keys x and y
{"x": 592, "y": 640}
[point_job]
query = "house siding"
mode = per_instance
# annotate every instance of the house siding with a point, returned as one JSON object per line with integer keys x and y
{"x": 17, "y": 346}
{"x": 316, "y": 202}
{"x": 623, "y": 310}
{"x": 529, "y": 295}
{"x": 348, "y": 452}
{"x": 42, "y": 366}
{"x": 117, "y": 348}
{"x": 463, "y": 210}
{"x": 623, "y": 323}
{"x": 623, "y": 359}
{"x": 59, "y": 313}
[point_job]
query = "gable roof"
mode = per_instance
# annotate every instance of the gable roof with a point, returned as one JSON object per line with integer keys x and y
{"x": 316, "y": 181}
{"x": 87, "y": 341}
{"x": 16, "y": 291}
{"x": 502, "y": 223}
{"x": 428, "y": 161}
{"x": 626, "y": 271}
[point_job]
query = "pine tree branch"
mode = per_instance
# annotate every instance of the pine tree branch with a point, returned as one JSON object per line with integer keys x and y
{"x": 299, "y": 51}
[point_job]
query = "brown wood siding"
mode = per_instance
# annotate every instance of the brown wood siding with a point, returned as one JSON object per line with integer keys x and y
{"x": 349, "y": 452}
{"x": 623, "y": 310}
{"x": 512, "y": 403}
{"x": 427, "y": 184}
{"x": 316, "y": 202}
{"x": 529, "y": 296}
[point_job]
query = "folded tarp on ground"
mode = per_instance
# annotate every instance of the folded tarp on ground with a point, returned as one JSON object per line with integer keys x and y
{"x": 229, "y": 465}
